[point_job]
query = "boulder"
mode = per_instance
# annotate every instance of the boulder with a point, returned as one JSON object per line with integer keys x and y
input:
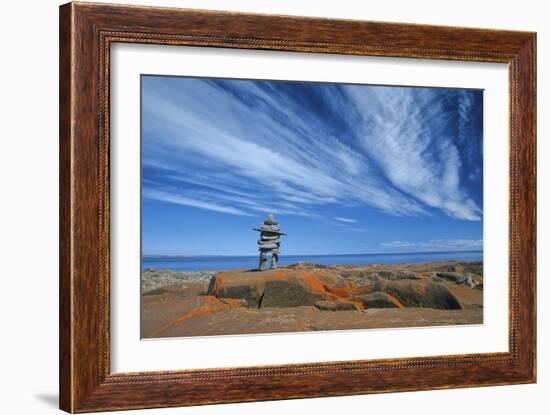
{"x": 251, "y": 293}
{"x": 338, "y": 305}
{"x": 422, "y": 293}
{"x": 457, "y": 278}
{"x": 451, "y": 276}
{"x": 467, "y": 280}
{"x": 379, "y": 300}
{"x": 295, "y": 287}
{"x": 289, "y": 293}
{"x": 325, "y": 305}
{"x": 407, "y": 275}
{"x": 281, "y": 287}
{"x": 399, "y": 275}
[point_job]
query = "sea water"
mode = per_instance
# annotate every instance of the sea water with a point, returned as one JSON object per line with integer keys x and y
{"x": 216, "y": 263}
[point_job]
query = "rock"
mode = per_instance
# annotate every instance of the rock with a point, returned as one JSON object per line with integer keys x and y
{"x": 457, "y": 278}
{"x": 306, "y": 266}
{"x": 270, "y": 228}
{"x": 153, "y": 279}
{"x": 347, "y": 304}
{"x": 379, "y": 300}
{"x": 278, "y": 287}
{"x": 399, "y": 275}
{"x": 407, "y": 275}
{"x": 271, "y": 238}
{"x": 338, "y": 305}
{"x": 466, "y": 280}
{"x": 325, "y": 305}
{"x": 422, "y": 294}
{"x": 286, "y": 287}
{"x": 204, "y": 305}
{"x": 386, "y": 274}
{"x": 241, "y": 302}
{"x": 251, "y": 293}
{"x": 288, "y": 293}
{"x": 450, "y": 276}
{"x": 370, "y": 284}
{"x": 268, "y": 247}
{"x": 157, "y": 291}
{"x": 268, "y": 241}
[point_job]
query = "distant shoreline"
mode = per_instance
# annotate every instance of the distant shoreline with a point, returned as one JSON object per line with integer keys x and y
{"x": 223, "y": 263}
{"x": 177, "y": 256}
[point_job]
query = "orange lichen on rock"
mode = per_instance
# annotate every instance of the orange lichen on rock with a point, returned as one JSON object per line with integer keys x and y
{"x": 394, "y": 300}
{"x": 206, "y": 304}
{"x": 348, "y": 291}
{"x": 290, "y": 287}
{"x": 285, "y": 287}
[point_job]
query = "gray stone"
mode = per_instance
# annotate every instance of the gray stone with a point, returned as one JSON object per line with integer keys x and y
{"x": 377, "y": 300}
{"x": 270, "y": 220}
{"x": 263, "y": 261}
{"x": 457, "y": 278}
{"x": 407, "y": 275}
{"x": 422, "y": 294}
{"x": 267, "y": 247}
{"x": 269, "y": 242}
{"x": 274, "y": 259}
{"x": 251, "y": 293}
{"x": 450, "y": 276}
{"x": 326, "y": 305}
{"x": 399, "y": 275}
{"x": 288, "y": 293}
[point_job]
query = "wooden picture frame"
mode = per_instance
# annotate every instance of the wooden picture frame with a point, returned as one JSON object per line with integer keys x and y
{"x": 86, "y": 33}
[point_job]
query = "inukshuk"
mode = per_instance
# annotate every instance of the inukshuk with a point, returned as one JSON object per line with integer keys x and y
{"x": 269, "y": 242}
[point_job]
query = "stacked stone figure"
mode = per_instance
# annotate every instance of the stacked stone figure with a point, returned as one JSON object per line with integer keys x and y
{"x": 269, "y": 242}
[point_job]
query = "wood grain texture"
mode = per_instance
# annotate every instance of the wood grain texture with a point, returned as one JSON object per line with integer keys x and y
{"x": 86, "y": 33}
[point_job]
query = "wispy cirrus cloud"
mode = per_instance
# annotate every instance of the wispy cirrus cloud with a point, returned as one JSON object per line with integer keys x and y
{"x": 414, "y": 141}
{"x": 345, "y": 220}
{"x": 241, "y": 147}
{"x": 170, "y": 197}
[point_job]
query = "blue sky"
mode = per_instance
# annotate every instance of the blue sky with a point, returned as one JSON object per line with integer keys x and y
{"x": 344, "y": 168}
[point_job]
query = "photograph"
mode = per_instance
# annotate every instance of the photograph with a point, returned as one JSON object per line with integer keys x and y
{"x": 272, "y": 206}
{"x": 275, "y": 207}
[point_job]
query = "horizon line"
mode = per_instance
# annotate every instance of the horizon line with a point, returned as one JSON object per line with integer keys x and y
{"x": 148, "y": 256}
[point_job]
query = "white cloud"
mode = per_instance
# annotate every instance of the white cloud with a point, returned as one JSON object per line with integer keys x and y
{"x": 180, "y": 200}
{"x": 345, "y": 220}
{"x": 397, "y": 244}
{"x": 416, "y": 154}
{"x": 258, "y": 150}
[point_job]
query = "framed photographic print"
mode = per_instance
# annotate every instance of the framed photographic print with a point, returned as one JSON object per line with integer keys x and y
{"x": 260, "y": 207}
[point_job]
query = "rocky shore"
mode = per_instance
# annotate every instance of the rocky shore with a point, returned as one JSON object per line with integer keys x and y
{"x": 156, "y": 280}
{"x": 306, "y": 297}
